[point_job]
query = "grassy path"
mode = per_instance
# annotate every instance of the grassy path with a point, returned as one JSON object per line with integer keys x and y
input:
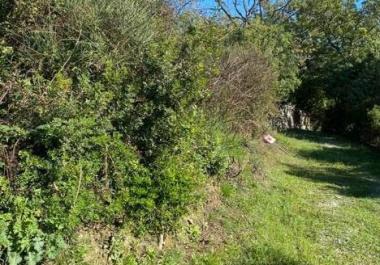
{"x": 319, "y": 203}
{"x": 329, "y": 206}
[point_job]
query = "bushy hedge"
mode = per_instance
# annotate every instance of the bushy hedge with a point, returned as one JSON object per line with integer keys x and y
{"x": 107, "y": 113}
{"x": 99, "y": 122}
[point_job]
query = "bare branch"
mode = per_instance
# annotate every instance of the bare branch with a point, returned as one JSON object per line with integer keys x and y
{"x": 253, "y": 8}
{"x": 281, "y": 8}
{"x": 222, "y": 7}
{"x": 7, "y": 89}
{"x": 243, "y": 18}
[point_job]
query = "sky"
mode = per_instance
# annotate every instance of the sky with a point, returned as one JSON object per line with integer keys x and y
{"x": 207, "y": 3}
{"x": 204, "y": 4}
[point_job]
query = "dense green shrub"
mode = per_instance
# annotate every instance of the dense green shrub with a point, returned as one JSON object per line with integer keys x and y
{"x": 339, "y": 47}
{"x": 103, "y": 110}
{"x": 99, "y": 122}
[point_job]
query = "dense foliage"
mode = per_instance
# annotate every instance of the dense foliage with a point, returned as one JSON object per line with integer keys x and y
{"x": 340, "y": 74}
{"x": 116, "y": 112}
{"x": 335, "y": 46}
{"x": 99, "y": 122}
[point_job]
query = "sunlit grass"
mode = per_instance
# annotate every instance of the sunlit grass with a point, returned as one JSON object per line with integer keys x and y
{"x": 318, "y": 204}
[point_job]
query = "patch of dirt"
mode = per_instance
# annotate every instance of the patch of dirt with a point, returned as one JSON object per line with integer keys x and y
{"x": 199, "y": 231}
{"x": 213, "y": 198}
{"x": 104, "y": 243}
{"x": 332, "y": 203}
{"x": 97, "y": 240}
{"x": 329, "y": 204}
{"x": 213, "y": 234}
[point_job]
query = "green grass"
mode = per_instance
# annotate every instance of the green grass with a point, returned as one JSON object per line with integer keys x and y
{"x": 316, "y": 201}
{"x": 319, "y": 203}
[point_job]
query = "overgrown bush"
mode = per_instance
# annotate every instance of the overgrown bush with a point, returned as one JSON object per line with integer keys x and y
{"x": 244, "y": 93}
{"x": 278, "y": 46}
{"x": 258, "y": 70}
{"x": 99, "y": 122}
{"x": 105, "y": 114}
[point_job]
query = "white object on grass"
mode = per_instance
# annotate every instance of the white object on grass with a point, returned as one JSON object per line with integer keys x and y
{"x": 268, "y": 139}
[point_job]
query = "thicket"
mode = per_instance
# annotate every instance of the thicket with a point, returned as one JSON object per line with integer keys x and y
{"x": 339, "y": 48}
{"x": 99, "y": 122}
{"x": 117, "y": 112}
{"x": 334, "y": 46}
{"x": 257, "y": 71}
{"x": 110, "y": 114}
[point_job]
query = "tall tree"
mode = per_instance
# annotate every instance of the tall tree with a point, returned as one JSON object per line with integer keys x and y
{"x": 246, "y": 10}
{"x": 337, "y": 40}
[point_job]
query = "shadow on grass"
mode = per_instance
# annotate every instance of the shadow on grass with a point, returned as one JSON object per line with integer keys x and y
{"x": 264, "y": 255}
{"x": 359, "y": 176}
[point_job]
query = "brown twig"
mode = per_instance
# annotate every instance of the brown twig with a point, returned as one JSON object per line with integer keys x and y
{"x": 5, "y": 93}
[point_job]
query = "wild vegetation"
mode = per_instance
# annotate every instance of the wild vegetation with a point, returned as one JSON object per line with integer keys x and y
{"x": 122, "y": 118}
